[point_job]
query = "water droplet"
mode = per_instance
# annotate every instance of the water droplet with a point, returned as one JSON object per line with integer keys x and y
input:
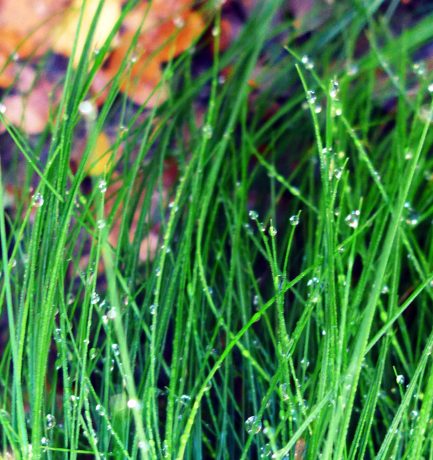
{"x": 2, "y": 108}
{"x": 100, "y": 410}
{"x": 308, "y": 63}
{"x": 313, "y": 281}
{"x": 419, "y": 68}
{"x": 413, "y": 414}
{"x": 400, "y": 379}
{"x": 50, "y": 421}
{"x": 334, "y": 89}
{"x": 352, "y": 220}
{"x": 430, "y": 88}
{"x": 44, "y": 442}
{"x": 115, "y": 349}
{"x": 412, "y": 218}
{"x": 37, "y": 200}
{"x": 317, "y": 108}
{"x": 285, "y": 393}
{"x": 112, "y": 313}
{"x": 94, "y": 298}
{"x": 338, "y": 173}
{"x": 133, "y": 404}
{"x": 100, "y": 223}
{"x": 408, "y": 155}
{"x": 385, "y": 289}
{"x": 102, "y": 186}
{"x": 179, "y": 22}
{"x": 265, "y": 451}
{"x": 352, "y": 69}
{"x": 152, "y": 309}
{"x": 253, "y": 425}
{"x": 93, "y": 353}
{"x": 57, "y": 337}
{"x": 323, "y": 332}
{"x": 185, "y": 399}
{"x": 88, "y": 110}
{"x": 311, "y": 97}
{"x": 207, "y": 131}
{"x": 215, "y": 32}
{"x": 253, "y": 214}
{"x": 305, "y": 363}
{"x": 294, "y": 220}
{"x": 272, "y": 231}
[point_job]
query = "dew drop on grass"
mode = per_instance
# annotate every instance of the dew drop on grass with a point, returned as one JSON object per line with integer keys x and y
{"x": 115, "y": 349}
{"x": 352, "y": 70}
{"x": 100, "y": 410}
{"x": 44, "y": 442}
{"x": 50, "y": 421}
{"x": 112, "y": 313}
{"x": 284, "y": 389}
{"x": 311, "y": 97}
{"x": 385, "y": 289}
{"x": 430, "y": 88}
{"x": 352, "y": 220}
{"x": 413, "y": 414}
{"x": 94, "y": 298}
{"x": 313, "y": 282}
{"x": 100, "y": 223}
{"x": 2, "y": 108}
{"x": 408, "y": 155}
{"x": 272, "y": 231}
{"x": 253, "y": 425}
{"x": 412, "y": 218}
{"x": 88, "y": 110}
{"x": 102, "y": 186}
{"x": 37, "y": 200}
{"x": 265, "y": 451}
{"x": 133, "y": 404}
{"x": 207, "y": 131}
{"x": 185, "y": 399}
{"x": 335, "y": 89}
{"x": 308, "y": 63}
{"x": 152, "y": 309}
{"x": 253, "y": 214}
{"x": 338, "y": 173}
{"x": 294, "y": 220}
{"x": 419, "y": 68}
{"x": 400, "y": 379}
{"x": 317, "y": 108}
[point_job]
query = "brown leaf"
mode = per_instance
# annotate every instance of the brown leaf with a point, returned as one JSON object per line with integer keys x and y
{"x": 167, "y": 28}
{"x": 28, "y": 23}
{"x": 64, "y": 35}
{"x": 29, "y": 112}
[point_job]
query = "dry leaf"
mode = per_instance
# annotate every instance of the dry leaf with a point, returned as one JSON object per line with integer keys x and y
{"x": 167, "y": 28}
{"x": 100, "y": 158}
{"x": 29, "y": 112}
{"x": 28, "y": 23}
{"x": 64, "y": 35}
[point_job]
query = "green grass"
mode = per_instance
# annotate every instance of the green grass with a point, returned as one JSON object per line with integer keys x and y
{"x": 321, "y": 331}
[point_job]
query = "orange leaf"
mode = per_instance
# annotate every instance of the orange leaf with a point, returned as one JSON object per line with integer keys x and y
{"x": 64, "y": 35}
{"x": 30, "y": 22}
{"x": 99, "y": 160}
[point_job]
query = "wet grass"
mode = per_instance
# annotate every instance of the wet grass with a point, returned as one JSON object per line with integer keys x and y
{"x": 287, "y": 310}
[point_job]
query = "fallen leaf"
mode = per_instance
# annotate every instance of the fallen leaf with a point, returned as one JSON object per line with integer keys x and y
{"x": 166, "y": 29}
{"x": 29, "y": 112}
{"x": 64, "y": 36}
{"x": 26, "y": 24}
{"x": 100, "y": 158}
